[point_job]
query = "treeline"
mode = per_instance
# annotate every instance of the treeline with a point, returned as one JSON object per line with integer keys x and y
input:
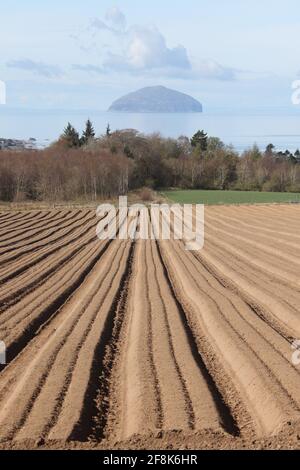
{"x": 88, "y": 168}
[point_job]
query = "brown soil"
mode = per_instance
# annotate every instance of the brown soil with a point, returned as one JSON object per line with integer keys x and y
{"x": 121, "y": 344}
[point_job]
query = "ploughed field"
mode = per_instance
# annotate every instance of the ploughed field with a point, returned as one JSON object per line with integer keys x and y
{"x": 134, "y": 344}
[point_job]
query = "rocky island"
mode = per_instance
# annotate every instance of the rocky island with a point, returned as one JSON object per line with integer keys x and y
{"x": 157, "y": 99}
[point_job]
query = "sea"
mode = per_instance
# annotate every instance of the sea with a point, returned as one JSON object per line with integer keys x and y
{"x": 240, "y": 127}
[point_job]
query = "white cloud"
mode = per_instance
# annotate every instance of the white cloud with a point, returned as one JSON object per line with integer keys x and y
{"x": 116, "y": 17}
{"x": 39, "y": 68}
{"x": 96, "y": 23}
{"x": 143, "y": 50}
{"x": 211, "y": 69}
{"x": 115, "y": 22}
{"x": 88, "y": 68}
{"x": 146, "y": 49}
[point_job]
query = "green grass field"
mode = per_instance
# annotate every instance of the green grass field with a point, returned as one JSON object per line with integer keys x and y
{"x": 229, "y": 197}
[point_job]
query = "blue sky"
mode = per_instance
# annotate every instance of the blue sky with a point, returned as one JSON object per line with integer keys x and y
{"x": 82, "y": 55}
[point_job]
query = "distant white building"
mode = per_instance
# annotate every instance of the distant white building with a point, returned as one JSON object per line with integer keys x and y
{"x": 15, "y": 144}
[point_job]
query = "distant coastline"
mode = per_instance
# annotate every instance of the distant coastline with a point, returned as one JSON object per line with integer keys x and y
{"x": 241, "y": 128}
